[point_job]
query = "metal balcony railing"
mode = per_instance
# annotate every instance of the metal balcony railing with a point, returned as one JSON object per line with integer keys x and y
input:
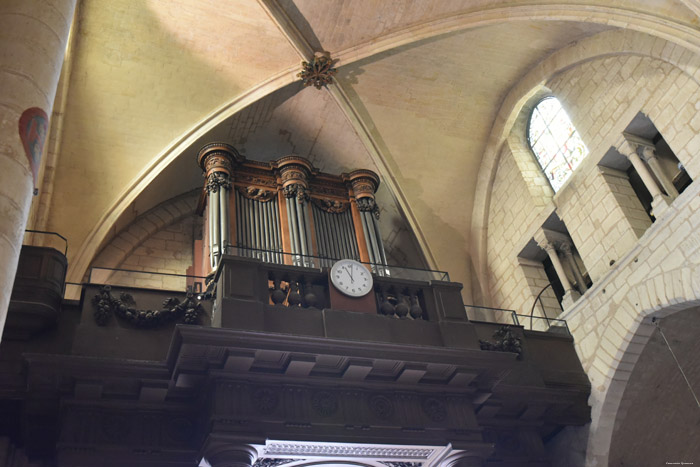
{"x": 505, "y": 316}
{"x": 319, "y": 262}
{"x": 43, "y": 238}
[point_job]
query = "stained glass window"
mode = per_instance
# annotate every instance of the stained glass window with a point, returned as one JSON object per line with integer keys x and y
{"x": 554, "y": 140}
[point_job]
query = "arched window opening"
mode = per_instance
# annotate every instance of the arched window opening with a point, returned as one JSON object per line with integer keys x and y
{"x": 553, "y": 138}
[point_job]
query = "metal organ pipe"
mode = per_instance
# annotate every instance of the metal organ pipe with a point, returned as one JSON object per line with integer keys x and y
{"x": 321, "y": 232}
{"x": 275, "y": 222}
{"x": 369, "y": 228}
{"x": 225, "y": 222}
{"x": 306, "y": 211}
{"x": 216, "y": 241}
{"x": 322, "y": 227}
{"x": 210, "y": 225}
{"x": 351, "y": 230}
{"x": 332, "y": 239}
{"x": 256, "y": 227}
{"x": 266, "y": 230}
{"x": 343, "y": 235}
{"x": 302, "y": 230}
{"x": 237, "y": 199}
{"x": 378, "y": 236}
{"x": 293, "y": 226}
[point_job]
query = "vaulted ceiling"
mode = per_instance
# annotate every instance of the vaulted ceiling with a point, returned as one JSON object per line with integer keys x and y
{"x": 419, "y": 85}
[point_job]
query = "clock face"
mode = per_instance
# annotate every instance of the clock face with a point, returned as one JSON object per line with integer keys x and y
{"x": 351, "y": 278}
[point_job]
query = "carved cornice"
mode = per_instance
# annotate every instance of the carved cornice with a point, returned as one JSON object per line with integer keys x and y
{"x": 218, "y": 157}
{"x": 364, "y": 183}
{"x": 294, "y": 170}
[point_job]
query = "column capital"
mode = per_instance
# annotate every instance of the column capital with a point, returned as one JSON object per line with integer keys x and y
{"x": 364, "y": 183}
{"x": 551, "y": 240}
{"x": 636, "y": 143}
{"x": 295, "y": 172}
{"x": 565, "y": 247}
{"x": 628, "y": 149}
{"x": 648, "y": 153}
{"x": 218, "y": 157}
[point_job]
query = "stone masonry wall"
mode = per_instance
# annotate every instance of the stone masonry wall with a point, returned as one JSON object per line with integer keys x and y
{"x": 169, "y": 251}
{"x": 513, "y": 218}
{"x": 656, "y": 269}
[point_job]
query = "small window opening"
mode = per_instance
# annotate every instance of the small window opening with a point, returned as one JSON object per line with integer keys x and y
{"x": 555, "y": 142}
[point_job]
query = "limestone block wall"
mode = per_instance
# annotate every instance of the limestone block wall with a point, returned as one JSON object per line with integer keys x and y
{"x": 168, "y": 251}
{"x": 598, "y": 206}
{"x": 160, "y": 240}
{"x": 656, "y": 267}
{"x": 603, "y": 95}
{"x": 597, "y": 222}
{"x": 513, "y": 218}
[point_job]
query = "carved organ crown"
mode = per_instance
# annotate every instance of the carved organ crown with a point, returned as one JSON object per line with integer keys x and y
{"x": 286, "y": 211}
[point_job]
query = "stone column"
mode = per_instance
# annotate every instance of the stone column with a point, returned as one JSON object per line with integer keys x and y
{"x": 545, "y": 240}
{"x": 649, "y": 154}
{"x": 659, "y": 201}
{"x": 565, "y": 248}
{"x": 217, "y": 160}
{"x": 34, "y": 39}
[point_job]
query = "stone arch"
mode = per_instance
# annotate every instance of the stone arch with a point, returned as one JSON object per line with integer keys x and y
{"x": 615, "y": 17}
{"x": 659, "y": 296}
{"x": 595, "y": 47}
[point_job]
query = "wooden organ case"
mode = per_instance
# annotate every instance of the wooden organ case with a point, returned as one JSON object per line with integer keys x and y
{"x": 286, "y": 212}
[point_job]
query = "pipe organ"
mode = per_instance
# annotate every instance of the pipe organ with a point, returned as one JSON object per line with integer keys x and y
{"x": 287, "y": 212}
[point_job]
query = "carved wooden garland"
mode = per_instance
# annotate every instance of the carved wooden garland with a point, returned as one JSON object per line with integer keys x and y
{"x": 256, "y": 194}
{"x": 331, "y": 205}
{"x": 124, "y": 307}
{"x": 505, "y": 341}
